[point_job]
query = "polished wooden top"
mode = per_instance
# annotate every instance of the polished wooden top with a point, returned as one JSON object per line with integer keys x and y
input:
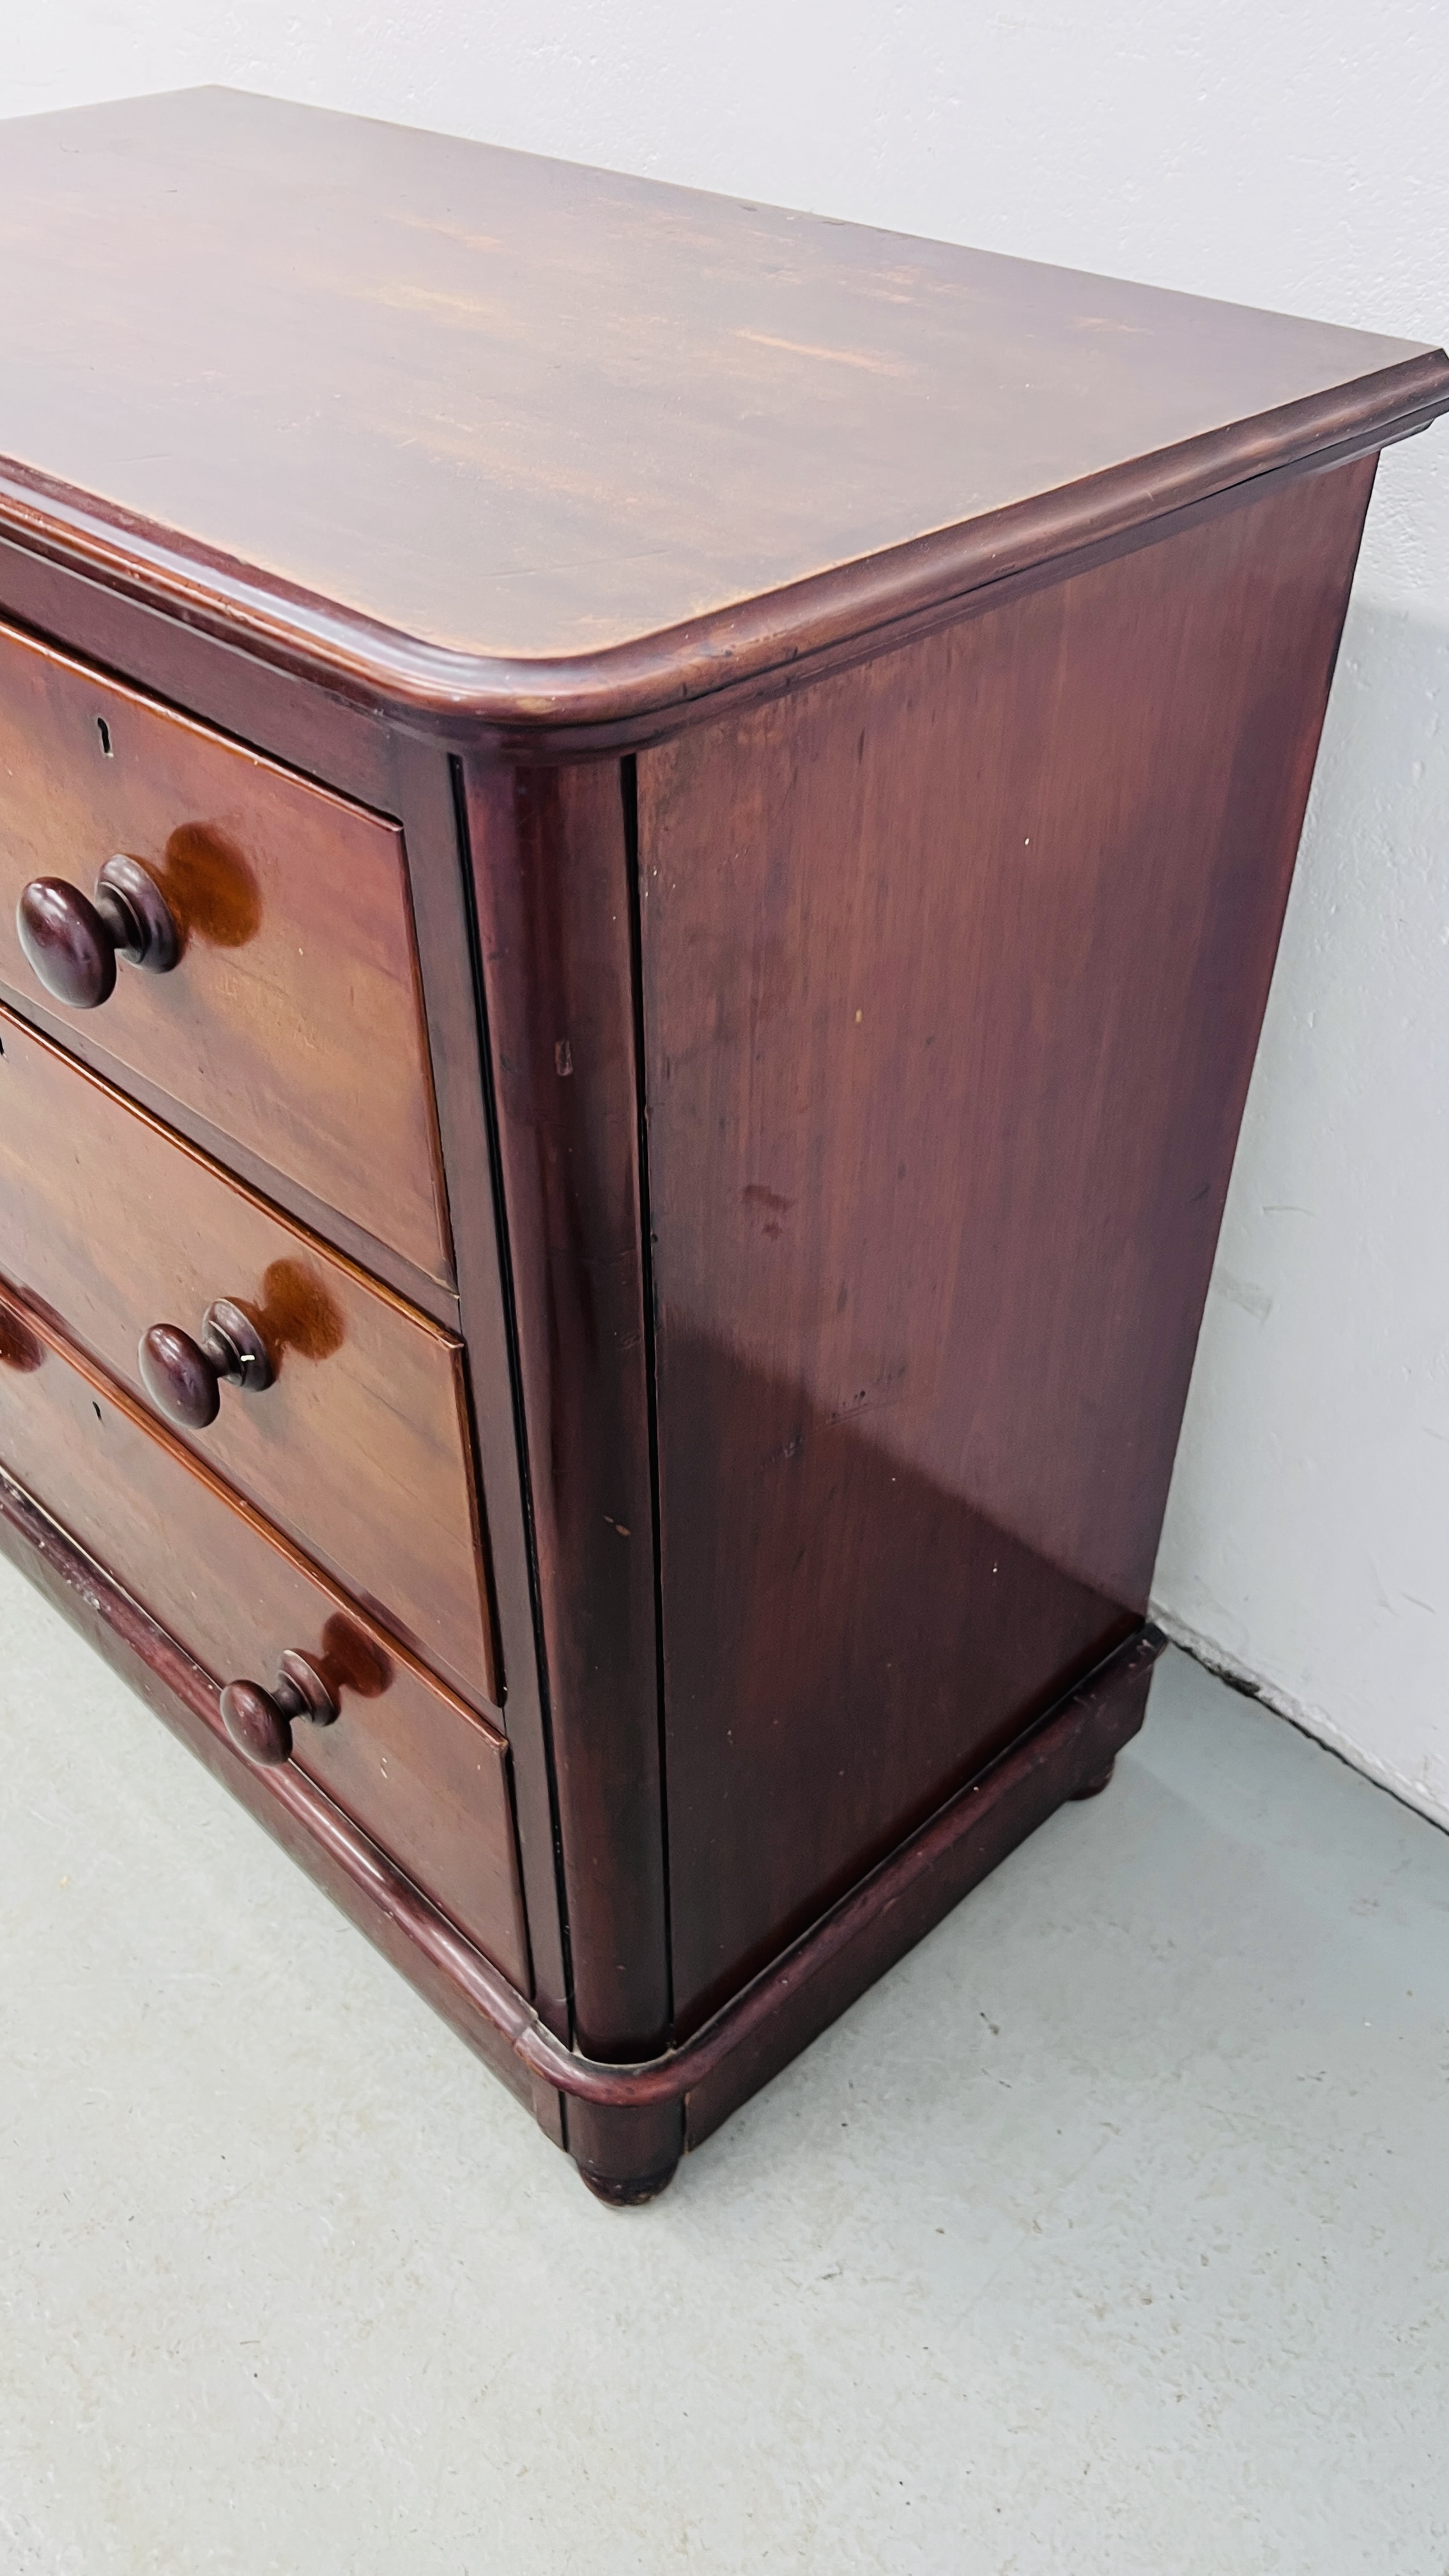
{"x": 474, "y": 429}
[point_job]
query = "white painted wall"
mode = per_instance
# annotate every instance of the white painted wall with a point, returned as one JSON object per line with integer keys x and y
{"x": 1281, "y": 152}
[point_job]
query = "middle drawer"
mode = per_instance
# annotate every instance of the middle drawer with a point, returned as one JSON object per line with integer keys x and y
{"x": 358, "y": 1449}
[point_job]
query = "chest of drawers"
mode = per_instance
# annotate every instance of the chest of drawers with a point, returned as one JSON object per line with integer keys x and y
{"x": 641, "y": 845}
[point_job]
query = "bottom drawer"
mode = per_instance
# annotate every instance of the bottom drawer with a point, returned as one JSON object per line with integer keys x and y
{"x": 424, "y": 1777}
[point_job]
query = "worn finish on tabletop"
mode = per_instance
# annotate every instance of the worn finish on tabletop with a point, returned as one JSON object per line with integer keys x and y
{"x": 368, "y": 390}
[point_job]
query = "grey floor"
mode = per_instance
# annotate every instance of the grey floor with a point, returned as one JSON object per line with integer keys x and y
{"x": 1108, "y": 2234}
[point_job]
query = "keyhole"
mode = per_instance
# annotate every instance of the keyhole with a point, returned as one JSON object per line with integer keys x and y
{"x": 104, "y": 730}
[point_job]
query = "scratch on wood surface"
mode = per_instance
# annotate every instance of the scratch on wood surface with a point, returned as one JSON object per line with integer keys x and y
{"x": 452, "y": 231}
{"x": 874, "y": 366}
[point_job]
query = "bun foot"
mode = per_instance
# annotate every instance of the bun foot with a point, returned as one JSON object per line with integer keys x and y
{"x": 630, "y": 2194}
{"x": 1094, "y": 1787}
{"x": 627, "y": 2154}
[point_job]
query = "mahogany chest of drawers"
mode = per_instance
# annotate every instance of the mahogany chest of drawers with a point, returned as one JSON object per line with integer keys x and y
{"x": 642, "y": 843}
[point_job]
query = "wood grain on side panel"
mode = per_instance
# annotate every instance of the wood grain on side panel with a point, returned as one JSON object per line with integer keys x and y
{"x": 953, "y": 971}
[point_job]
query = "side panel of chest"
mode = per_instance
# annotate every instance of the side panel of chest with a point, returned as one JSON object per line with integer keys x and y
{"x": 953, "y": 971}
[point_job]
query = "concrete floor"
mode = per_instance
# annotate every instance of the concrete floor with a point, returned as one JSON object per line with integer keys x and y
{"x": 1107, "y": 2235}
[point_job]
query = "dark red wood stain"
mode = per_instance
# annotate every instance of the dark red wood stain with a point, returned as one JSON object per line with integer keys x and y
{"x": 554, "y": 902}
{"x": 722, "y": 787}
{"x": 954, "y": 967}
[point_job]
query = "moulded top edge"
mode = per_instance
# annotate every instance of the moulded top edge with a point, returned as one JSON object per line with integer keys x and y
{"x": 639, "y": 681}
{"x": 494, "y": 438}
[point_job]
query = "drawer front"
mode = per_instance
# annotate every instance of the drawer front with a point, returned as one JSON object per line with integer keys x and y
{"x": 292, "y": 1021}
{"x": 359, "y": 1447}
{"x": 423, "y": 1776}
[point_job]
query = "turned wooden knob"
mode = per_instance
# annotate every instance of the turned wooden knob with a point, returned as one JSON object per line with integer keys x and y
{"x": 260, "y": 1722}
{"x": 184, "y": 1378}
{"x": 72, "y": 943}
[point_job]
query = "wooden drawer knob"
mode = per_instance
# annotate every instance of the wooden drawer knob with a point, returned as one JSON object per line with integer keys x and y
{"x": 260, "y": 1722}
{"x": 73, "y": 943}
{"x": 184, "y": 1378}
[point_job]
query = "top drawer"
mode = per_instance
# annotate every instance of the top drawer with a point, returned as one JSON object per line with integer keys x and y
{"x": 292, "y": 1020}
